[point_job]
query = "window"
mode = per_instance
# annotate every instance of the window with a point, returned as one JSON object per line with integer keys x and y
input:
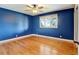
{"x": 49, "y": 21}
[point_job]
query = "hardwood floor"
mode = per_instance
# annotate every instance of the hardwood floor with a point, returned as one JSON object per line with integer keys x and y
{"x": 38, "y": 46}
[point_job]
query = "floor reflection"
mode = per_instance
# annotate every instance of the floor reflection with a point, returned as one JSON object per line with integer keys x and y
{"x": 47, "y": 50}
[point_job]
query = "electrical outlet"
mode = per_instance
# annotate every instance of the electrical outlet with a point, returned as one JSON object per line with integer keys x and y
{"x": 60, "y": 36}
{"x": 16, "y": 35}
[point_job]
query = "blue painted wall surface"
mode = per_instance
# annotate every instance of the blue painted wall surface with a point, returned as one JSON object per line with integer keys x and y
{"x": 21, "y": 24}
{"x": 13, "y": 23}
{"x": 65, "y": 25}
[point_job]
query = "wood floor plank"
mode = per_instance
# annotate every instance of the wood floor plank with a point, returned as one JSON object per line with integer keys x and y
{"x": 38, "y": 46}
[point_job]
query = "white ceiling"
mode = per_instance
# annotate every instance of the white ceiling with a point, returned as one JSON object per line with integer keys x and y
{"x": 48, "y": 8}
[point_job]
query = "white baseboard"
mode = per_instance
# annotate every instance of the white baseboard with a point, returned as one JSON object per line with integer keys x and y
{"x": 18, "y": 38}
{"x": 52, "y": 37}
{"x": 13, "y": 39}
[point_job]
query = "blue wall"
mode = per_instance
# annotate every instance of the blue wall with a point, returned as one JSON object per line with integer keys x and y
{"x": 13, "y": 23}
{"x": 65, "y": 25}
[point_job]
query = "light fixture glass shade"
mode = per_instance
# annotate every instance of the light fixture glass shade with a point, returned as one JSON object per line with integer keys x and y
{"x": 34, "y": 11}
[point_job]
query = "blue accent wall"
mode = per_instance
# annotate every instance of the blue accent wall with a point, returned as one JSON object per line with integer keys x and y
{"x": 65, "y": 25}
{"x": 13, "y": 23}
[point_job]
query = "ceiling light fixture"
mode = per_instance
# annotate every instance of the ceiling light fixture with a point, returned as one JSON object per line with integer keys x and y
{"x": 34, "y": 11}
{"x": 34, "y": 8}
